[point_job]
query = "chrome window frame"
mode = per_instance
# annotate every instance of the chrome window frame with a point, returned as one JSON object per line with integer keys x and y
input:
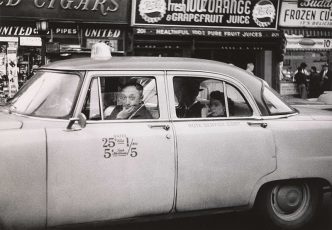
{"x": 215, "y": 76}
{"x": 158, "y": 75}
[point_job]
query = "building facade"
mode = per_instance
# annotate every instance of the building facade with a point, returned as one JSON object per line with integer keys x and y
{"x": 33, "y": 33}
{"x": 236, "y": 32}
{"x": 307, "y": 25}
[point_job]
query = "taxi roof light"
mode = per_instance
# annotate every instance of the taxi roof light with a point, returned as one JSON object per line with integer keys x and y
{"x": 101, "y": 51}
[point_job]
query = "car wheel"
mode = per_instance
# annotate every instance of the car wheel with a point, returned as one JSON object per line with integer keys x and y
{"x": 291, "y": 205}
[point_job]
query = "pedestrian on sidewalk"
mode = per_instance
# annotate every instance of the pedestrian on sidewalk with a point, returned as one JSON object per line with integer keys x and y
{"x": 250, "y": 68}
{"x": 301, "y": 80}
{"x": 325, "y": 79}
{"x": 314, "y": 83}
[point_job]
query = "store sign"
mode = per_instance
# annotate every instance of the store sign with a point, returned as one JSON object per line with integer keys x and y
{"x": 89, "y": 31}
{"x": 207, "y": 32}
{"x": 108, "y": 11}
{"x": 17, "y": 31}
{"x": 30, "y": 41}
{"x": 101, "y": 33}
{"x": 207, "y": 13}
{"x": 8, "y": 39}
{"x": 308, "y": 43}
{"x": 322, "y": 4}
{"x": 65, "y": 31}
{"x": 291, "y": 15}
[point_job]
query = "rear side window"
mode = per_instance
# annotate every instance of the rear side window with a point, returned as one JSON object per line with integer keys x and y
{"x": 274, "y": 104}
{"x": 208, "y": 98}
{"x": 238, "y": 105}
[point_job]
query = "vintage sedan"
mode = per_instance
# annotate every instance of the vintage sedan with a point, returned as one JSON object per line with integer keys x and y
{"x": 72, "y": 151}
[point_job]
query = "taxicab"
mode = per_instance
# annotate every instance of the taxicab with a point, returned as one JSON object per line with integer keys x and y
{"x": 107, "y": 139}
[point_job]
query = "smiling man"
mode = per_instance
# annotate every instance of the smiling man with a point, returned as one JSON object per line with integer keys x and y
{"x": 132, "y": 105}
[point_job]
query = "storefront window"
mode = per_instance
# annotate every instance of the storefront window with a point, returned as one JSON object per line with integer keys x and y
{"x": 293, "y": 59}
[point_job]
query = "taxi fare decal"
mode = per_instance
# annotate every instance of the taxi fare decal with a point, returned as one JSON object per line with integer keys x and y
{"x": 119, "y": 145}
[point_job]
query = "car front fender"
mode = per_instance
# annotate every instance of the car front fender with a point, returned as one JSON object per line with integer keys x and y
{"x": 23, "y": 178}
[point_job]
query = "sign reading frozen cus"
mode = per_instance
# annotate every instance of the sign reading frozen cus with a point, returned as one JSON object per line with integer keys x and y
{"x": 294, "y": 14}
{"x": 207, "y": 13}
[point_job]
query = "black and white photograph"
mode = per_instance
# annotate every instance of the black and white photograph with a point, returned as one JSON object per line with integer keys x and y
{"x": 166, "y": 114}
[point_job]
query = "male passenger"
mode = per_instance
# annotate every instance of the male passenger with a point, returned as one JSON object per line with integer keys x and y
{"x": 186, "y": 91}
{"x": 132, "y": 106}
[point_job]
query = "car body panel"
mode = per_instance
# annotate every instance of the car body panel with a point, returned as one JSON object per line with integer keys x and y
{"x": 304, "y": 148}
{"x": 205, "y": 180}
{"x": 217, "y": 171}
{"x": 23, "y": 178}
{"x": 127, "y": 175}
{"x": 8, "y": 122}
{"x": 81, "y": 177}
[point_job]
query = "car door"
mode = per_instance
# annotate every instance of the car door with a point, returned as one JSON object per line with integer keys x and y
{"x": 112, "y": 169}
{"x": 219, "y": 158}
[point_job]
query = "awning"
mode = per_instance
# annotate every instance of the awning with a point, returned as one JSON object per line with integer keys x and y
{"x": 309, "y": 33}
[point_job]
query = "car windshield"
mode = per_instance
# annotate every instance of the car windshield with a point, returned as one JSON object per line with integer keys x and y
{"x": 47, "y": 94}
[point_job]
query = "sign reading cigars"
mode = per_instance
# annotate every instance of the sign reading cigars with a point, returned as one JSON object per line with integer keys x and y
{"x": 306, "y": 13}
{"x": 207, "y": 13}
{"x": 107, "y": 11}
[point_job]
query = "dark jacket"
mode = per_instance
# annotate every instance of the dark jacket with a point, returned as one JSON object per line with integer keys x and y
{"x": 300, "y": 77}
{"x": 326, "y": 83}
{"x": 193, "y": 111}
{"x": 141, "y": 113}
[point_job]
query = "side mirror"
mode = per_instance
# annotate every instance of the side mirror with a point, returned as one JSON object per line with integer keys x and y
{"x": 81, "y": 121}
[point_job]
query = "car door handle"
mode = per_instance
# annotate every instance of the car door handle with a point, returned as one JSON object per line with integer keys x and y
{"x": 261, "y": 124}
{"x": 166, "y": 127}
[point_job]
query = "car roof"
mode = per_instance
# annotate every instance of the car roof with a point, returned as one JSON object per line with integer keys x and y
{"x": 152, "y": 63}
{"x": 128, "y": 63}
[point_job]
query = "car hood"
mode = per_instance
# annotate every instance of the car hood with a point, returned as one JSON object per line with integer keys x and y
{"x": 9, "y": 122}
{"x": 323, "y": 113}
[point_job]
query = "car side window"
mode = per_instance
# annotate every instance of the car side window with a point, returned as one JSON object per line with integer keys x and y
{"x": 124, "y": 97}
{"x": 207, "y": 98}
{"x": 237, "y": 104}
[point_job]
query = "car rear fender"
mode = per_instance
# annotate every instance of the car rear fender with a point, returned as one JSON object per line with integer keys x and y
{"x": 23, "y": 178}
{"x": 303, "y": 150}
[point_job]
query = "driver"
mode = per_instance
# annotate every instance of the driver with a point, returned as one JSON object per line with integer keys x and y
{"x": 131, "y": 104}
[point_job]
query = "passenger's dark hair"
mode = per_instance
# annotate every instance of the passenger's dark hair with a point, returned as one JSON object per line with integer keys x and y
{"x": 138, "y": 86}
{"x": 217, "y": 95}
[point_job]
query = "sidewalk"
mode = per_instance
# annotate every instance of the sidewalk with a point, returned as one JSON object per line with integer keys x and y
{"x": 324, "y": 99}
{"x": 294, "y": 100}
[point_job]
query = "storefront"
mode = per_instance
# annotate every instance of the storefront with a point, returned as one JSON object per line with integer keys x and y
{"x": 307, "y": 26}
{"x": 236, "y": 32}
{"x": 66, "y": 29}
{"x": 21, "y": 49}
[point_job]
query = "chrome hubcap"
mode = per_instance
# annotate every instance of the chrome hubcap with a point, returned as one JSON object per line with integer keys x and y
{"x": 290, "y": 201}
